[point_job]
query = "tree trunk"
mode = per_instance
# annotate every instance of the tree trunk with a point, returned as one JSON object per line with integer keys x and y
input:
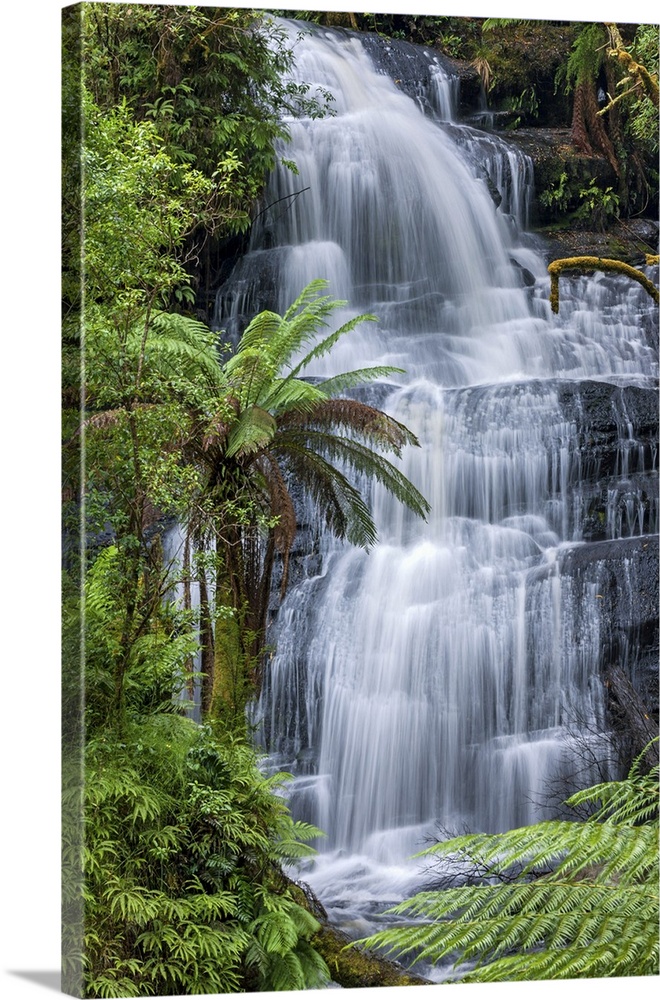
{"x": 588, "y": 133}
{"x": 187, "y": 604}
{"x": 579, "y": 131}
{"x": 207, "y": 642}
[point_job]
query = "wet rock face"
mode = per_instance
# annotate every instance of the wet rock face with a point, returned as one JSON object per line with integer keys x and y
{"x": 622, "y": 576}
{"x": 615, "y": 445}
{"x": 605, "y": 413}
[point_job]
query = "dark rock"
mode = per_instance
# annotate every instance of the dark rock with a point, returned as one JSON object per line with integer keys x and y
{"x": 526, "y": 275}
{"x": 625, "y": 575}
{"x": 617, "y": 506}
{"x": 617, "y": 426}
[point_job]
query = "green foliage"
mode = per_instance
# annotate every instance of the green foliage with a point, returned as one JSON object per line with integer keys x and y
{"x": 139, "y": 205}
{"x": 642, "y": 120}
{"x": 183, "y": 837}
{"x": 586, "y": 57}
{"x": 557, "y": 196}
{"x": 153, "y": 646}
{"x": 598, "y": 206}
{"x": 210, "y": 79}
{"x": 555, "y": 900}
{"x": 526, "y": 103}
{"x": 588, "y": 205}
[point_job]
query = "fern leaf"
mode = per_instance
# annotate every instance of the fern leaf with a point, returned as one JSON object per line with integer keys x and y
{"x": 253, "y": 431}
{"x": 361, "y": 376}
{"x": 341, "y": 505}
{"x": 593, "y": 911}
{"x": 308, "y": 295}
{"x": 363, "y": 460}
{"x": 326, "y": 345}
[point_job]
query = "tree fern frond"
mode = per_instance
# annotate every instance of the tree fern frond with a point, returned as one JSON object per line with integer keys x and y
{"x": 340, "y": 504}
{"x": 363, "y": 460}
{"x": 258, "y": 335}
{"x": 361, "y": 376}
{"x": 308, "y": 295}
{"x": 253, "y": 431}
{"x": 295, "y": 333}
{"x": 361, "y": 419}
{"x": 592, "y": 912}
{"x": 174, "y": 338}
{"x": 326, "y": 345}
{"x": 249, "y": 373}
{"x": 285, "y": 972}
{"x": 284, "y": 394}
{"x": 632, "y": 801}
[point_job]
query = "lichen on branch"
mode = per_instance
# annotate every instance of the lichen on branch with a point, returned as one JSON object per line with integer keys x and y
{"x": 647, "y": 81}
{"x": 586, "y": 265}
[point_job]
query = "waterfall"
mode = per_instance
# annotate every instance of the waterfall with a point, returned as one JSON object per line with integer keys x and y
{"x": 443, "y": 677}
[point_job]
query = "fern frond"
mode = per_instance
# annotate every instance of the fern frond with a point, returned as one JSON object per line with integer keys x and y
{"x": 276, "y": 932}
{"x": 363, "y": 460}
{"x": 592, "y": 912}
{"x": 258, "y": 335}
{"x": 250, "y": 372}
{"x": 253, "y": 431}
{"x": 361, "y": 419}
{"x": 361, "y": 376}
{"x": 308, "y": 295}
{"x": 326, "y": 345}
{"x": 285, "y": 394}
{"x": 174, "y": 339}
{"x": 341, "y": 505}
{"x": 303, "y": 328}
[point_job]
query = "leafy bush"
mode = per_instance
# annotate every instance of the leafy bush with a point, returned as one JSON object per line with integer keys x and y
{"x": 178, "y": 848}
{"x": 183, "y": 892}
{"x": 557, "y": 196}
{"x": 598, "y": 206}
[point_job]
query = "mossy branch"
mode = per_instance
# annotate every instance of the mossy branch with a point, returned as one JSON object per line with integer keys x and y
{"x": 585, "y": 265}
{"x": 646, "y": 80}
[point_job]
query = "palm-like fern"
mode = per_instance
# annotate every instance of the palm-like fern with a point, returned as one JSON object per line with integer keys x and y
{"x": 559, "y": 900}
{"x": 285, "y": 427}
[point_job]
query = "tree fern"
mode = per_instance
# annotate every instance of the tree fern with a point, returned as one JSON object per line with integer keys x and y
{"x": 556, "y": 900}
{"x": 284, "y": 427}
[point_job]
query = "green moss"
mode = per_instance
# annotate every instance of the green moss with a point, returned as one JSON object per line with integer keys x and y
{"x": 354, "y": 968}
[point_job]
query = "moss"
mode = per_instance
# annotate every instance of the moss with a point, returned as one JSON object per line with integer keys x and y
{"x": 352, "y": 967}
{"x": 586, "y": 265}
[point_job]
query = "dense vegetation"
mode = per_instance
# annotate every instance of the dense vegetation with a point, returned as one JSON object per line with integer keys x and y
{"x": 173, "y": 881}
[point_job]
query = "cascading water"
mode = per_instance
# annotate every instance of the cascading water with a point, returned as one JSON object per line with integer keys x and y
{"x": 438, "y": 678}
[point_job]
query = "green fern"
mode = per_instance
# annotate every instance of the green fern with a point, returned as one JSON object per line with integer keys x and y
{"x": 174, "y": 841}
{"x": 183, "y": 837}
{"x": 560, "y": 900}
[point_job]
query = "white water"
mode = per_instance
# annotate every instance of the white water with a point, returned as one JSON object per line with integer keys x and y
{"x": 440, "y": 677}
